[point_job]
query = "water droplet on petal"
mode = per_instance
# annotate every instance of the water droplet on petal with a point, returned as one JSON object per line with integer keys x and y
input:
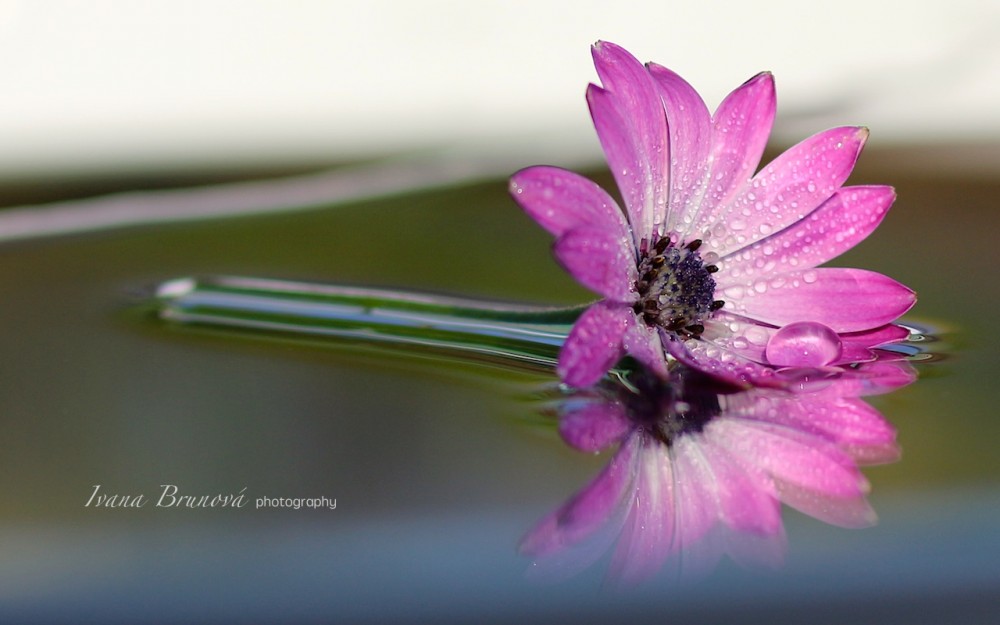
{"x": 803, "y": 344}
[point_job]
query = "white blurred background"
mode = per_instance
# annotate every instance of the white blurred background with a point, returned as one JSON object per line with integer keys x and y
{"x": 110, "y": 86}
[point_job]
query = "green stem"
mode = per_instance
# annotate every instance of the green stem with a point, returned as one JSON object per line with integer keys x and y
{"x": 523, "y": 334}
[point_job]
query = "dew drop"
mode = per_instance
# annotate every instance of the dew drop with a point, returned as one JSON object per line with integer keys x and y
{"x": 809, "y": 277}
{"x": 734, "y": 292}
{"x": 803, "y": 344}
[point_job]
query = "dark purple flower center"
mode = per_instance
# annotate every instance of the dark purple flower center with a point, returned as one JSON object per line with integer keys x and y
{"x": 675, "y": 286}
{"x": 668, "y": 409}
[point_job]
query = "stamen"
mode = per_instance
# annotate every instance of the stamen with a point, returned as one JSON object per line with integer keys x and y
{"x": 675, "y": 287}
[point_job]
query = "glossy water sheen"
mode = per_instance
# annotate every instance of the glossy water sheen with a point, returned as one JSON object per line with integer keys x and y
{"x": 438, "y": 466}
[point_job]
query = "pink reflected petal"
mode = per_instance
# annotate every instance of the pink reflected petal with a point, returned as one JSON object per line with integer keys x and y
{"x": 631, "y": 125}
{"x": 740, "y": 129}
{"x": 594, "y": 426}
{"x": 600, "y": 260}
{"x": 851, "y": 511}
{"x": 576, "y": 534}
{"x": 594, "y": 344}
{"x": 793, "y": 457}
{"x": 560, "y": 201}
{"x": 647, "y": 536}
{"x": 846, "y": 300}
{"x": 872, "y": 378}
{"x": 836, "y": 226}
{"x": 843, "y": 421}
{"x": 747, "y": 499}
{"x": 697, "y": 506}
{"x": 787, "y": 189}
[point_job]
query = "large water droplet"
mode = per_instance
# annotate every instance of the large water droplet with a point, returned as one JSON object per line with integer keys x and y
{"x": 803, "y": 344}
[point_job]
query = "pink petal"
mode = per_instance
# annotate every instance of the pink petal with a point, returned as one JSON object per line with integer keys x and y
{"x": 647, "y": 536}
{"x": 853, "y": 353}
{"x": 605, "y": 499}
{"x": 594, "y": 344}
{"x": 787, "y": 189}
{"x": 740, "y": 129}
{"x": 722, "y": 362}
{"x": 697, "y": 501}
{"x": 847, "y": 300}
{"x": 690, "y": 127}
{"x": 890, "y": 333}
{"x": 561, "y": 200}
{"x": 849, "y": 511}
{"x": 873, "y": 378}
{"x": 747, "y": 499}
{"x": 594, "y": 426}
{"x": 697, "y": 489}
{"x": 738, "y": 335}
{"x": 792, "y": 457}
{"x": 631, "y": 125}
{"x": 867, "y": 455}
{"x": 602, "y": 261}
{"x": 643, "y": 343}
{"x": 843, "y": 421}
{"x": 836, "y": 226}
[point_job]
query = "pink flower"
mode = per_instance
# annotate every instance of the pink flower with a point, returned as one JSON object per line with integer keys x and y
{"x": 702, "y": 468}
{"x": 709, "y": 261}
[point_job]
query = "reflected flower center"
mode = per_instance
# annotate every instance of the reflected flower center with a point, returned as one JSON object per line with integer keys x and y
{"x": 675, "y": 286}
{"x": 667, "y": 410}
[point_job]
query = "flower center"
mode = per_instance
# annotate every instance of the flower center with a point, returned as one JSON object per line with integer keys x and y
{"x": 675, "y": 286}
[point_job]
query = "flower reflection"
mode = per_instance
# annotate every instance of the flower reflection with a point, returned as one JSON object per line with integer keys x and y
{"x": 709, "y": 261}
{"x": 702, "y": 468}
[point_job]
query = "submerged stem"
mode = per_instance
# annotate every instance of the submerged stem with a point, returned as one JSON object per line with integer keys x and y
{"x": 523, "y": 334}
